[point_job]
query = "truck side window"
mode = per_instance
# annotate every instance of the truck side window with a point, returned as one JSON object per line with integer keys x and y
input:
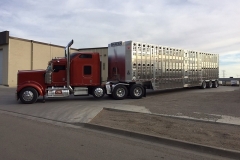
{"x": 87, "y": 70}
{"x": 85, "y": 56}
{"x": 57, "y": 68}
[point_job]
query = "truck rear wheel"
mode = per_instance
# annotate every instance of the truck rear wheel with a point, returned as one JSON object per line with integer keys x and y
{"x": 215, "y": 84}
{"x": 136, "y": 91}
{"x": 204, "y": 85}
{"x": 98, "y": 92}
{"x": 28, "y": 95}
{"x": 119, "y": 92}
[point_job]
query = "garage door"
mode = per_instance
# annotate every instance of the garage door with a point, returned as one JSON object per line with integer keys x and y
{"x": 1, "y": 66}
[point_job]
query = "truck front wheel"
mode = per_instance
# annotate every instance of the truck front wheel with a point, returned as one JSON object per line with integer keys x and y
{"x": 119, "y": 92}
{"x": 28, "y": 95}
{"x": 98, "y": 92}
{"x": 136, "y": 91}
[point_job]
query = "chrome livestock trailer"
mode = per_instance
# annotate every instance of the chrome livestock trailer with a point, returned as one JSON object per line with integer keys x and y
{"x": 158, "y": 67}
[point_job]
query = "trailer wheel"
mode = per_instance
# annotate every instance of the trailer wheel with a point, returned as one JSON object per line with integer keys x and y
{"x": 119, "y": 92}
{"x": 98, "y": 92}
{"x": 136, "y": 91}
{"x": 28, "y": 95}
{"x": 204, "y": 85}
{"x": 209, "y": 84}
{"x": 215, "y": 84}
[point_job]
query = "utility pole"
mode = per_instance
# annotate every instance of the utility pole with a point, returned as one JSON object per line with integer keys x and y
{"x": 223, "y": 73}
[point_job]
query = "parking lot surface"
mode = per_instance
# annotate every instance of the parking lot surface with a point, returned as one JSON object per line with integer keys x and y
{"x": 73, "y": 109}
{"x": 220, "y": 104}
{"x": 215, "y": 104}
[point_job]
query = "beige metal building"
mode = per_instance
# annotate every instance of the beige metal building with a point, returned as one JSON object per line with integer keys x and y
{"x": 22, "y": 54}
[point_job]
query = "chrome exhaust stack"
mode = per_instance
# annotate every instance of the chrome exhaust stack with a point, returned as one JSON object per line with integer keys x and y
{"x": 67, "y": 55}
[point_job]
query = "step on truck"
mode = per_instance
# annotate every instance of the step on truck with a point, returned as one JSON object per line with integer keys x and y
{"x": 133, "y": 67}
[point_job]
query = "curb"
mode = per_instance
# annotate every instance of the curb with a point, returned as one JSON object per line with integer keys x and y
{"x": 167, "y": 141}
{"x": 41, "y": 119}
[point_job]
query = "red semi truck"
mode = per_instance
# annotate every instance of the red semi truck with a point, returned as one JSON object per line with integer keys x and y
{"x": 78, "y": 74}
{"x": 133, "y": 67}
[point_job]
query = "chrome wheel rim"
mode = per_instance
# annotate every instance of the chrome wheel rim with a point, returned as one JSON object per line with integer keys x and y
{"x": 137, "y": 91}
{"x": 27, "y": 95}
{"x": 98, "y": 92}
{"x": 120, "y": 92}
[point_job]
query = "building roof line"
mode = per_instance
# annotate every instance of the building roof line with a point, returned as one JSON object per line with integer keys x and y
{"x": 27, "y": 40}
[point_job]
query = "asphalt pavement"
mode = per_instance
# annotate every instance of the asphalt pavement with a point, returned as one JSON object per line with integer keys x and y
{"x": 75, "y": 110}
{"x": 29, "y": 139}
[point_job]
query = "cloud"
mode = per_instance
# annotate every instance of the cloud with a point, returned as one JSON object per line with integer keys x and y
{"x": 201, "y": 25}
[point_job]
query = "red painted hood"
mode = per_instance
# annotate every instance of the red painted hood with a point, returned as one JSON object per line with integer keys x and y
{"x": 31, "y": 76}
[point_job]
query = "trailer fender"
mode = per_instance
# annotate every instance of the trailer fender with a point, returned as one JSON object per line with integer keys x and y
{"x": 145, "y": 92}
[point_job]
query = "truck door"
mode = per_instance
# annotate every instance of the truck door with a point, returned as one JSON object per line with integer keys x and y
{"x": 59, "y": 74}
{"x": 87, "y": 75}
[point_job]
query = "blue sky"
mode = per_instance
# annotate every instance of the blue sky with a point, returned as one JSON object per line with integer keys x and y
{"x": 202, "y": 25}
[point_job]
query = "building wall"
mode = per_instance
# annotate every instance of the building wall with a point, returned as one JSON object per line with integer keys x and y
{"x": 45, "y": 53}
{"x": 27, "y": 55}
{"x": 4, "y": 64}
{"x": 229, "y": 81}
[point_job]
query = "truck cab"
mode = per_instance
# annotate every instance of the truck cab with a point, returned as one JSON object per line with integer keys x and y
{"x": 77, "y": 74}
{"x": 84, "y": 70}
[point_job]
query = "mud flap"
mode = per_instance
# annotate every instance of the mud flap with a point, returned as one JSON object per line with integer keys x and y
{"x": 145, "y": 92}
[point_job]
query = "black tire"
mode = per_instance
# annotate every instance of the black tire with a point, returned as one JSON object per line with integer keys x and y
{"x": 215, "y": 84}
{"x": 204, "y": 85}
{"x": 119, "y": 92}
{"x": 136, "y": 91}
{"x": 98, "y": 92}
{"x": 28, "y": 95}
{"x": 209, "y": 84}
